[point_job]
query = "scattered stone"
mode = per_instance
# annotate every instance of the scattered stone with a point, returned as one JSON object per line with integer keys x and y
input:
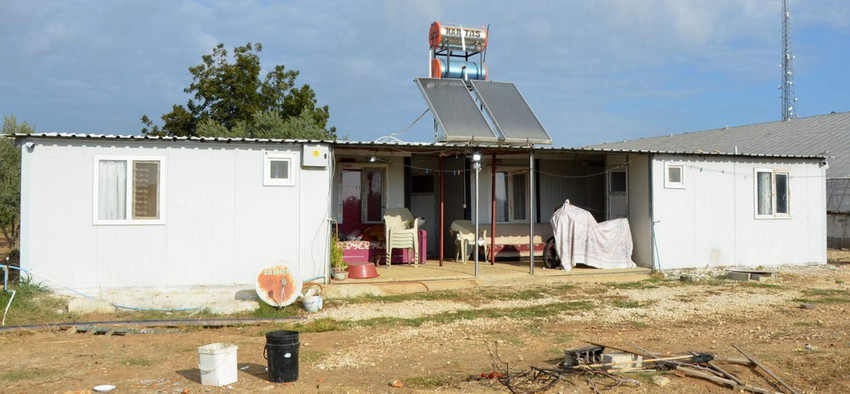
{"x": 660, "y": 381}
{"x": 807, "y": 305}
{"x": 84, "y": 306}
{"x": 397, "y": 383}
{"x": 810, "y": 347}
{"x": 268, "y": 388}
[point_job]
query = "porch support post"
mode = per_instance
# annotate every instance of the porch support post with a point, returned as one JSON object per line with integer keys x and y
{"x": 476, "y": 165}
{"x": 442, "y": 212}
{"x": 531, "y": 210}
{"x": 493, "y": 212}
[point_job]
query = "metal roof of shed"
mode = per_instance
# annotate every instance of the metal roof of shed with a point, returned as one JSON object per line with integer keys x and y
{"x": 407, "y": 145}
{"x": 823, "y": 135}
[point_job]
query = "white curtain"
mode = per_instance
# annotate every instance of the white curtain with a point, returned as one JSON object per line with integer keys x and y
{"x": 112, "y": 190}
{"x": 765, "y": 193}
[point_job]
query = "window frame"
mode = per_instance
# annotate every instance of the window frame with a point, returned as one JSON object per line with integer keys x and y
{"x": 360, "y": 167}
{"x": 673, "y": 185}
{"x": 268, "y": 157}
{"x": 128, "y": 191}
{"x": 509, "y": 192}
{"x": 774, "y": 214}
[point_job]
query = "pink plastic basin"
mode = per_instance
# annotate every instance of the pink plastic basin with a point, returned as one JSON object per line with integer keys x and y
{"x": 364, "y": 270}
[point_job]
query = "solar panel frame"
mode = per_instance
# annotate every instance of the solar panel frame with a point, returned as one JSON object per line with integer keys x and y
{"x": 495, "y": 105}
{"x": 466, "y": 122}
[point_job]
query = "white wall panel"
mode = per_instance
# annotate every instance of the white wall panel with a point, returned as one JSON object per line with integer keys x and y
{"x": 711, "y": 221}
{"x": 221, "y": 225}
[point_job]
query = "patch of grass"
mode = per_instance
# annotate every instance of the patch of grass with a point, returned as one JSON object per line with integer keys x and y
{"x": 268, "y": 311}
{"x": 33, "y": 303}
{"x": 823, "y": 300}
{"x": 638, "y": 324}
{"x": 521, "y": 313}
{"x": 525, "y": 294}
{"x": 23, "y": 374}
{"x": 320, "y": 325}
{"x": 564, "y": 339}
{"x": 644, "y": 284}
{"x": 137, "y": 362}
{"x": 425, "y": 296}
{"x": 807, "y": 324}
{"x": 761, "y": 285}
{"x": 824, "y": 292}
{"x": 628, "y": 304}
{"x": 824, "y": 296}
{"x": 428, "y": 382}
{"x": 839, "y": 282}
{"x": 469, "y": 296}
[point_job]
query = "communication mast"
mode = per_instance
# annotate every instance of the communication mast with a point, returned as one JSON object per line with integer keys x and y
{"x": 789, "y": 99}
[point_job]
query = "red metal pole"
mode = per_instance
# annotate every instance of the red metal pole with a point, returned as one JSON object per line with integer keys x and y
{"x": 493, "y": 212}
{"x": 442, "y": 213}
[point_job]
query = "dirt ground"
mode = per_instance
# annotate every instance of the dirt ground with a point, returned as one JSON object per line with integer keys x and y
{"x": 437, "y": 342}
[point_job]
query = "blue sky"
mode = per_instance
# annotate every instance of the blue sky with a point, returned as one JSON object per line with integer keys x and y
{"x": 593, "y": 71}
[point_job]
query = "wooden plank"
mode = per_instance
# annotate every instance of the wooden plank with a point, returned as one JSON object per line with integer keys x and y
{"x": 766, "y": 369}
{"x": 727, "y": 374}
{"x": 739, "y": 361}
{"x": 726, "y": 382}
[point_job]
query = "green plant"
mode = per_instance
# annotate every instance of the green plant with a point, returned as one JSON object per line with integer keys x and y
{"x": 336, "y": 255}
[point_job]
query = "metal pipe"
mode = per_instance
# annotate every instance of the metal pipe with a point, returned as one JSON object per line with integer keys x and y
{"x": 531, "y": 210}
{"x": 475, "y": 248}
{"x": 493, "y": 214}
{"x": 211, "y": 322}
{"x": 442, "y": 212}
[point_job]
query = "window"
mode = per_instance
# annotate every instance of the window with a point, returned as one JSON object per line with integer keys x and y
{"x": 277, "y": 169}
{"x": 618, "y": 181}
{"x": 128, "y": 191}
{"x": 773, "y": 193}
{"x": 362, "y": 195}
{"x": 674, "y": 176}
{"x": 511, "y": 196}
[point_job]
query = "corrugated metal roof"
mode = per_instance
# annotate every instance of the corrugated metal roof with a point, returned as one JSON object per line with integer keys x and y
{"x": 409, "y": 145}
{"x": 838, "y": 195}
{"x": 824, "y": 135}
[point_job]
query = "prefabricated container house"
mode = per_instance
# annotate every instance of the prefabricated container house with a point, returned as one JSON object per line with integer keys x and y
{"x": 132, "y": 211}
{"x": 105, "y": 212}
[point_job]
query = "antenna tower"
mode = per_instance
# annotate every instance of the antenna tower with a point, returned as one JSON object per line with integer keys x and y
{"x": 789, "y": 100}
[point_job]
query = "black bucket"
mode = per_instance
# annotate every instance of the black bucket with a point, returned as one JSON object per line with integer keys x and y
{"x": 282, "y": 353}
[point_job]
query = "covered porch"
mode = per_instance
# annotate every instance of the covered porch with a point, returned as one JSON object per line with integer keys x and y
{"x": 518, "y": 189}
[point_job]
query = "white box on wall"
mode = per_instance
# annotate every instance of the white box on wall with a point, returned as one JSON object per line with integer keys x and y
{"x": 314, "y": 155}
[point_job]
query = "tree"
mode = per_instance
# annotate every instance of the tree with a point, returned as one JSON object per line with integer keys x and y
{"x": 230, "y": 99}
{"x": 10, "y": 180}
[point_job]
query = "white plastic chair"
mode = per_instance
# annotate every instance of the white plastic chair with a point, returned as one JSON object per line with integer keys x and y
{"x": 463, "y": 232}
{"x": 402, "y": 232}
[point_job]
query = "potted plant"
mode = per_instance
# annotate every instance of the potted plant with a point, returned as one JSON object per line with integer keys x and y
{"x": 337, "y": 263}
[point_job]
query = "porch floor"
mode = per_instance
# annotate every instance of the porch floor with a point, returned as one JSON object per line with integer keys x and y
{"x": 404, "y": 278}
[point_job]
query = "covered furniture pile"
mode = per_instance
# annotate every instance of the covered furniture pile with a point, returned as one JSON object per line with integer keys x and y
{"x": 581, "y": 240}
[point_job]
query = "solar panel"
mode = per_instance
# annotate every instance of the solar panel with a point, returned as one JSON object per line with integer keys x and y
{"x": 455, "y": 110}
{"x": 510, "y": 113}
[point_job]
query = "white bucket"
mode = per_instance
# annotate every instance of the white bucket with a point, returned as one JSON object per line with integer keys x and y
{"x": 217, "y": 363}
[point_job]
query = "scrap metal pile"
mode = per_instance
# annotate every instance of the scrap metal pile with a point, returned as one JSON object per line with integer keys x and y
{"x": 612, "y": 368}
